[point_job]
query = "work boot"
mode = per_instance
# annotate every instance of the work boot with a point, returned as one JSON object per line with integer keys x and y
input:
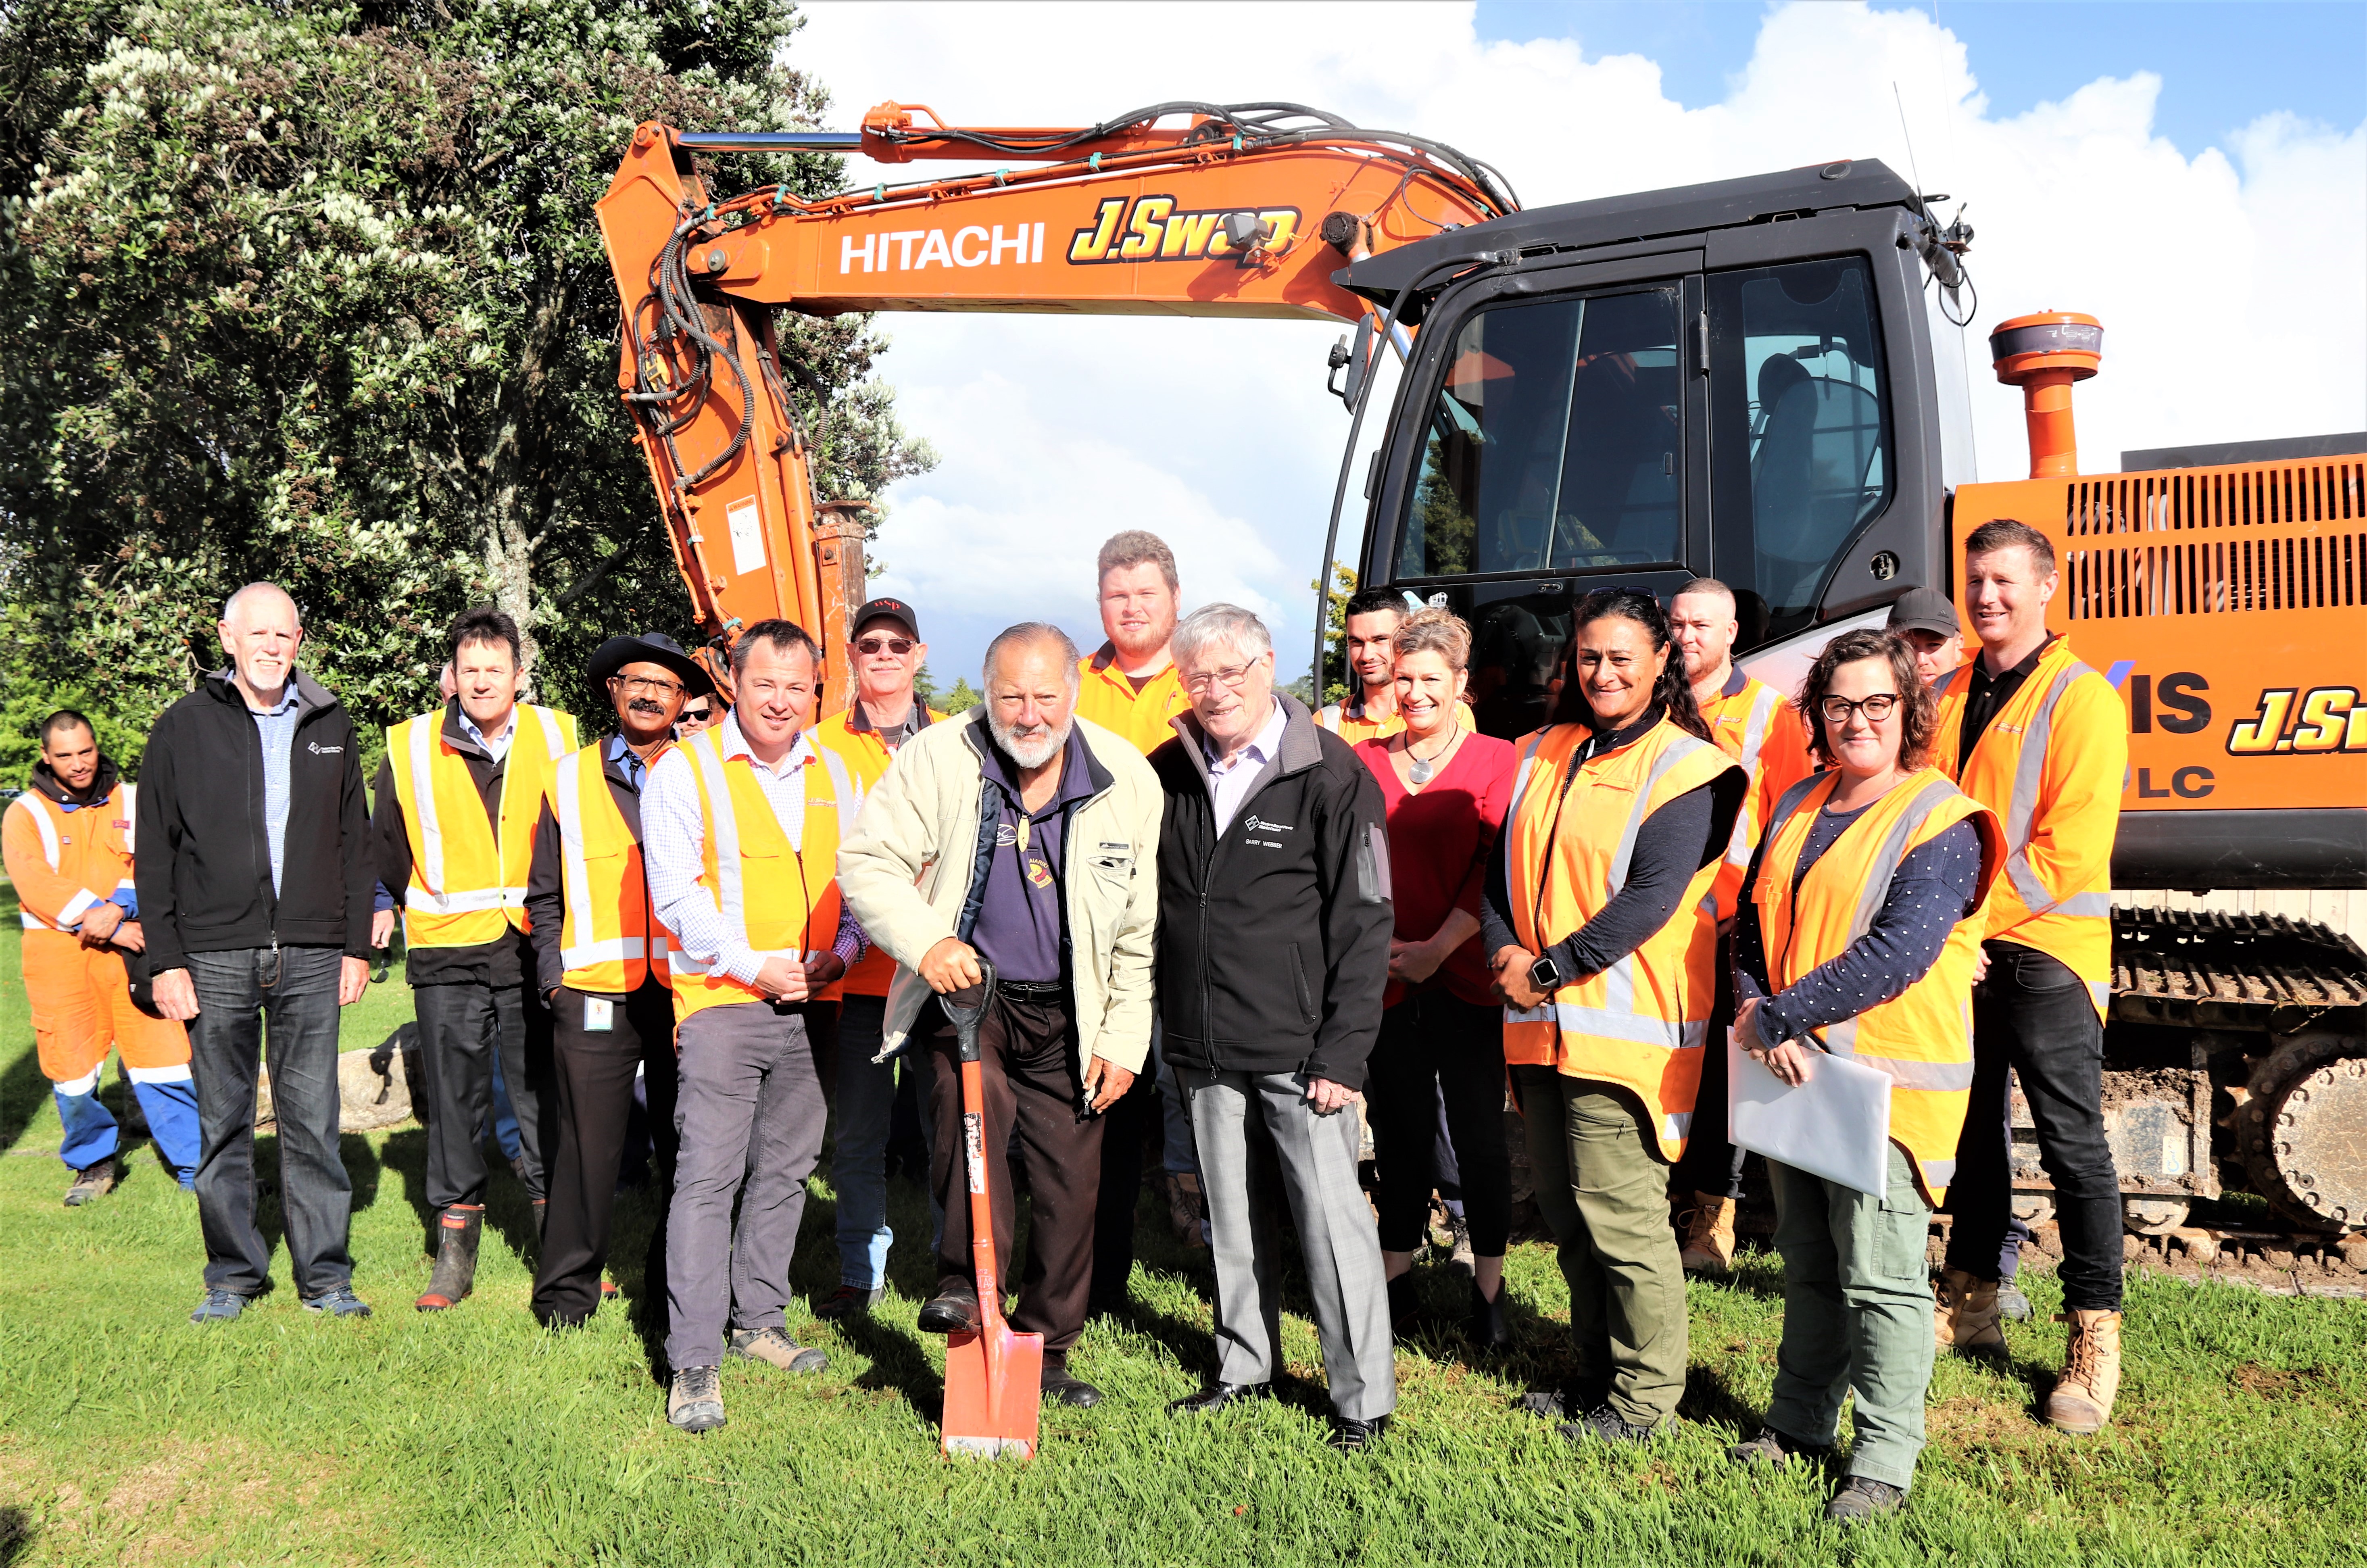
{"x": 2082, "y": 1400}
{"x": 695, "y": 1399}
{"x": 93, "y": 1180}
{"x": 1708, "y": 1247}
{"x": 1459, "y": 1256}
{"x": 2013, "y": 1303}
{"x": 1966, "y": 1314}
{"x": 1183, "y": 1209}
{"x": 775, "y": 1347}
{"x": 456, "y": 1232}
{"x": 1772, "y": 1448}
{"x": 1861, "y": 1498}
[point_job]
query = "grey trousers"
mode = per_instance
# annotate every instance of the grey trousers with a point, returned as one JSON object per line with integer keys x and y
{"x": 1335, "y": 1232}
{"x": 750, "y": 1111}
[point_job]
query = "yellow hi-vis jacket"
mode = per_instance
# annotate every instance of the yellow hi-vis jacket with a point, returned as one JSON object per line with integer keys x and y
{"x": 1924, "y": 1036}
{"x": 606, "y": 938}
{"x": 1752, "y": 723}
{"x": 2051, "y": 764}
{"x": 467, "y": 881}
{"x": 784, "y": 900}
{"x": 868, "y": 756}
{"x": 1640, "y": 1023}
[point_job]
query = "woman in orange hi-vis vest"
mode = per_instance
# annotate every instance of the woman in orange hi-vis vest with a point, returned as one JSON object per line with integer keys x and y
{"x": 1860, "y": 936}
{"x": 1604, "y": 949}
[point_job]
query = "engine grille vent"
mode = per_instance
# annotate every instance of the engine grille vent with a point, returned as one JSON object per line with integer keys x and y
{"x": 2263, "y": 544}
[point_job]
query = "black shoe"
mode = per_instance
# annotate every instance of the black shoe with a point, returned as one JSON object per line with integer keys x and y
{"x": 1861, "y": 1498}
{"x": 1485, "y": 1326}
{"x": 1062, "y": 1388}
{"x": 1605, "y": 1424}
{"x": 849, "y": 1301}
{"x": 1401, "y": 1308}
{"x": 1353, "y": 1436}
{"x": 457, "y": 1231}
{"x": 1568, "y": 1403}
{"x": 1772, "y": 1448}
{"x": 953, "y": 1310}
{"x": 1216, "y": 1395}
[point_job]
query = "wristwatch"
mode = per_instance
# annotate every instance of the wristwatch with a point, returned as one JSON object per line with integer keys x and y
{"x": 1544, "y": 975}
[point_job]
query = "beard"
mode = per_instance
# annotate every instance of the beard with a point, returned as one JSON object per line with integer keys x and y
{"x": 1028, "y": 751}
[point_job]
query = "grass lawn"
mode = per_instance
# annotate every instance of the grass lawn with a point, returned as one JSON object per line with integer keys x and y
{"x": 127, "y": 1435}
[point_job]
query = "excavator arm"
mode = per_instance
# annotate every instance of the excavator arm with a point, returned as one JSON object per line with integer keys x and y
{"x": 1239, "y": 210}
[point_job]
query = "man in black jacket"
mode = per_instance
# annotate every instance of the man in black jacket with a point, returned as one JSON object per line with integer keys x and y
{"x": 1274, "y": 950}
{"x": 254, "y": 883}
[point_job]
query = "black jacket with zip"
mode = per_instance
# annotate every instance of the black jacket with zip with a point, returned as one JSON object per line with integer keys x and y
{"x": 203, "y": 861}
{"x": 1273, "y": 937}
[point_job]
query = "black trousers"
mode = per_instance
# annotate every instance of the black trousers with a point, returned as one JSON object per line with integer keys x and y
{"x": 2033, "y": 1015}
{"x": 1028, "y": 1062}
{"x": 1430, "y": 1046}
{"x": 1710, "y": 1165}
{"x": 461, "y": 1027}
{"x": 1136, "y": 1118}
{"x": 591, "y": 1090}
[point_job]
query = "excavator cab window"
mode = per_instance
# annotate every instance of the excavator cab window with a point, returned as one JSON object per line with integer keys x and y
{"x": 1799, "y": 433}
{"x": 1555, "y": 442}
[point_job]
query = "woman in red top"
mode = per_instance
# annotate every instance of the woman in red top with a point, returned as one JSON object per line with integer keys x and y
{"x": 1442, "y": 1033}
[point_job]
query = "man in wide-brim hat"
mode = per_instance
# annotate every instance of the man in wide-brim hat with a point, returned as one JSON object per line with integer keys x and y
{"x": 600, "y": 958}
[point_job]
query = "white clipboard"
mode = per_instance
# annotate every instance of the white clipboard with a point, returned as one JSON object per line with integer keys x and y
{"x": 1836, "y": 1125}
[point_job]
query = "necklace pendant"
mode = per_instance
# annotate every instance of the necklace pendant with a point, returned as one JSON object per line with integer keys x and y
{"x": 1420, "y": 771}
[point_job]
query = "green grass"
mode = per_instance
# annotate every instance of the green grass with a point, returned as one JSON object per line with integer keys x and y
{"x": 127, "y": 1436}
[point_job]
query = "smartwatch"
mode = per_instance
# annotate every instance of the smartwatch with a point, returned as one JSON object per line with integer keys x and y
{"x": 1544, "y": 975}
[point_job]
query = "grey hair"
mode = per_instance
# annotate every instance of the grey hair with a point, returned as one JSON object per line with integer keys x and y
{"x": 258, "y": 589}
{"x": 1228, "y": 624}
{"x": 1033, "y": 631}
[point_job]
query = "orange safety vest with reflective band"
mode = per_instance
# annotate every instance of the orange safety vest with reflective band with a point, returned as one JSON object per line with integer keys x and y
{"x": 869, "y": 758}
{"x": 466, "y": 886}
{"x": 2051, "y": 764}
{"x": 784, "y": 901}
{"x": 1759, "y": 729}
{"x": 1641, "y": 1023}
{"x": 606, "y": 941}
{"x": 87, "y": 853}
{"x": 1924, "y": 1036}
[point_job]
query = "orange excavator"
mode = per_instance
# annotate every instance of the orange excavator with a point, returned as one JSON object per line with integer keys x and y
{"x": 1758, "y": 379}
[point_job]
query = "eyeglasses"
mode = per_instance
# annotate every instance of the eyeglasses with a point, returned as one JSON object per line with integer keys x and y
{"x": 1877, "y": 708}
{"x": 694, "y": 715}
{"x": 637, "y": 685}
{"x": 874, "y": 646}
{"x": 1196, "y": 684}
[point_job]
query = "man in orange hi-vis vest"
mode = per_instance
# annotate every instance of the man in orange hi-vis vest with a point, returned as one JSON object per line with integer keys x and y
{"x": 2043, "y": 741}
{"x": 69, "y": 842}
{"x": 741, "y": 826}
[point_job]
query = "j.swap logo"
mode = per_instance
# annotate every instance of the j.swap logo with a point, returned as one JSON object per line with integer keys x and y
{"x": 1151, "y": 228}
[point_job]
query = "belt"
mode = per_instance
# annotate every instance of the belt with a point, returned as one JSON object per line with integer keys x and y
{"x": 1033, "y": 990}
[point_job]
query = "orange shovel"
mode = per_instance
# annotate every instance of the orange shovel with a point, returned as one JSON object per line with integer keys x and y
{"x": 994, "y": 1378}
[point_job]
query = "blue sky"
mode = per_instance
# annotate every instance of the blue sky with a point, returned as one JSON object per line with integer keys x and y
{"x": 2222, "y": 65}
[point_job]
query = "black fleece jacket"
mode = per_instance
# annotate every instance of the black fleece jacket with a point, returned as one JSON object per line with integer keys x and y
{"x": 1274, "y": 937}
{"x": 203, "y": 870}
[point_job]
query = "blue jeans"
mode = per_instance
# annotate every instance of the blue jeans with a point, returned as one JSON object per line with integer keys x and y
{"x": 858, "y": 1166}
{"x": 294, "y": 993}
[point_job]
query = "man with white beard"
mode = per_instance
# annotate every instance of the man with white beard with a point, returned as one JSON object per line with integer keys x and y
{"x": 1023, "y": 835}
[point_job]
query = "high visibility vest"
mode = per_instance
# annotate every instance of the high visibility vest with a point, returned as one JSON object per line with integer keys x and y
{"x": 1922, "y": 1037}
{"x": 783, "y": 901}
{"x": 868, "y": 757}
{"x": 1105, "y": 696}
{"x": 85, "y": 855}
{"x": 1640, "y": 1023}
{"x": 1759, "y": 729}
{"x": 467, "y": 877}
{"x": 607, "y": 941}
{"x": 2051, "y": 764}
{"x": 1347, "y": 721}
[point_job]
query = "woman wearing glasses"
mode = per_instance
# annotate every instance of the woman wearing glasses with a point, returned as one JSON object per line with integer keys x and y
{"x": 1857, "y": 938}
{"x": 1604, "y": 949}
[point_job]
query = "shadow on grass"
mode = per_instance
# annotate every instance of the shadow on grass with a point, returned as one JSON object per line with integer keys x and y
{"x": 23, "y": 1091}
{"x": 17, "y": 1534}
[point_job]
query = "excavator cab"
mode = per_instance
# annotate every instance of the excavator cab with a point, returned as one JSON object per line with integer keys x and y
{"x": 1738, "y": 380}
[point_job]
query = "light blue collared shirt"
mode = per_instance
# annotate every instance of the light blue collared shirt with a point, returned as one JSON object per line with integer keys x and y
{"x": 276, "y": 726}
{"x": 496, "y": 747}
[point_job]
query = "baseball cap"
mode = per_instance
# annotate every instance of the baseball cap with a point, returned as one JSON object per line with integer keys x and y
{"x": 1924, "y": 610}
{"x": 893, "y": 609}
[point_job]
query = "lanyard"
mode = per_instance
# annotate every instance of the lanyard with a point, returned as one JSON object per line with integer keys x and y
{"x": 1553, "y": 835}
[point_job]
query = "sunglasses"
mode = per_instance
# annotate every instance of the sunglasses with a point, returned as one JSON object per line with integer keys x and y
{"x": 898, "y": 646}
{"x": 694, "y": 715}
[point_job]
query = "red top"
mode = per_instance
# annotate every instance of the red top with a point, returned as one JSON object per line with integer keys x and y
{"x": 1439, "y": 841}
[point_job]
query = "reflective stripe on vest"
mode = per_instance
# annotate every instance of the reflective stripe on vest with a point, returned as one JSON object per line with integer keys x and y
{"x": 436, "y": 913}
{"x": 45, "y": 812}
{"x": 614, "y": 953}
{"x": 2030, "y": 771}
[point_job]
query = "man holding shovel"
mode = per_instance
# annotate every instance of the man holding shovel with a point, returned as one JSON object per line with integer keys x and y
{"x": 1026, "y": 836}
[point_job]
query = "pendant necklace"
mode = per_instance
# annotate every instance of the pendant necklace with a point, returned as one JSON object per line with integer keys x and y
{"x": 1420, "y": 769}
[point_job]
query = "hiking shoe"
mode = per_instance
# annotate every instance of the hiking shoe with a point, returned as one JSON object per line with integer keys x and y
{"x": 220, "y": 1306}
{"x": 1459, "y": 1256}
{"x": 2013, "y": 1303}
{"x": 695, "y": 1399}
{"x": 775, "y": 1347}
{"x": 95, "y": 1180}
{"x": 2082, "y": 1400}
{"x": 1603, "y": 1424}
{"x": 340, "y": 1302}
{"x": 1567, "y": 1403}
{"x": 1183, "y": 1209}
{"x": 1966, "y": 1315}
{"x": 1708, "y": 1247}
{"x": 1772, "y": 1448}
{"x": 1861, "y": 1498}
{"x": 850, "y": 1301}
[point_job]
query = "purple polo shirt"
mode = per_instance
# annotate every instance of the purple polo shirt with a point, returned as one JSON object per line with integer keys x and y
{"x": 1020, "y": 913}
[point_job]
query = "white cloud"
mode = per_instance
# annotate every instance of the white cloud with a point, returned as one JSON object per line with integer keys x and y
{"x": 2230, "y": 287}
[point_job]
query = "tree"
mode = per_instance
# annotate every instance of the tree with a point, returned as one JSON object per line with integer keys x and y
{"x": 961, "y": 699}
{"x": 316, "y": 292}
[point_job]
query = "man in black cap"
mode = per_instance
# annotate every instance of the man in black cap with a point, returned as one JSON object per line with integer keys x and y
{"x": 1925, "y": 618}
{"x": 600, "y": 956}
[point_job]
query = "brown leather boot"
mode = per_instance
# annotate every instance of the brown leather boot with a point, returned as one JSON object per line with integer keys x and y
{"x": 1708, "y": 1247}
{"x": 2082, "y": 1400}
{"x": 456, "y": 1232}
{"x": 1965, "y": 1317}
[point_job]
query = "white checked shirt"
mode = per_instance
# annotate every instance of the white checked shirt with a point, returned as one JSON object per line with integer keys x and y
{"x": 1230, "y": 781}
{"x": 674, "y": 850}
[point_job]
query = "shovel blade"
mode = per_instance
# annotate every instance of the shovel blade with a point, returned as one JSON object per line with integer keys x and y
{"x": 988, "y": 1415}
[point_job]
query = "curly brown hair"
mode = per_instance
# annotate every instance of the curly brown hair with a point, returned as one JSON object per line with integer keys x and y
{"x": 1919, "y": 713}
